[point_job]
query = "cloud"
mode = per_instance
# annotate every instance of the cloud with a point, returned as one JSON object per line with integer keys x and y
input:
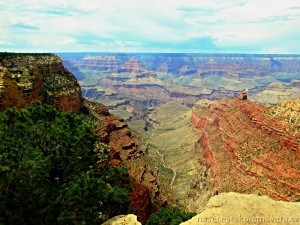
{"x": 5, "y": 43}
{"x": 67, "y": 41}
{"x": 24, "y": 26}
{"x": 142, "y": 25}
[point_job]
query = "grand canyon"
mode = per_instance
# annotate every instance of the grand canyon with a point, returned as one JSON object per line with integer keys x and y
{"x": 212, "y": 122}
{"x": 190, "y": 128}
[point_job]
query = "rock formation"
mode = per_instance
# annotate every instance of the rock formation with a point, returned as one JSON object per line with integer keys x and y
{"x": 234, "y": 208}
{"x": 184, "y": 78}
{"x": 129, "y": 219}
{"x": 132, "y": 66}
{"x": 128, "y": 151}
{"x": 277, "y": 92}
{"x": 29, "y": 77}
{"x": 249, "y": 148}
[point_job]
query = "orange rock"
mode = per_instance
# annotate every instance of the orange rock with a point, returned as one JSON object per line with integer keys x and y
{"x": 248, "y": 149}
{"x": 242, "y": 96}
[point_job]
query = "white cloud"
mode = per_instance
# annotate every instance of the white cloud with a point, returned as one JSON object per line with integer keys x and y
{"x": 67, "y": 41}
{"x": 5, "y": 43}
{"x": 94, "y": 24}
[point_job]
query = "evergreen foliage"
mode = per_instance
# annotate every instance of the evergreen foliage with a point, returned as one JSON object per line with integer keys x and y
{"x": 49, "y": 172}
{"x": 165, "y": 216}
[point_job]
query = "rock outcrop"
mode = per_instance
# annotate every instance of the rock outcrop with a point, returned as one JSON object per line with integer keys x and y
{"x": 249, "y": 148}
{"x": 129, "y": 219}
{"x": 234, "y": 208}
{"x": 132, "y": 66}
{"x": 30, "y": 77}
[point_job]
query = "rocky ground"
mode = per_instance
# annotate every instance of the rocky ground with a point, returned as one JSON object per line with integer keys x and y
{"x": 234, "y": 208}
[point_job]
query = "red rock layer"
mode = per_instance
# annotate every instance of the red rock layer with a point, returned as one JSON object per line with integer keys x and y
{"x": 126, "y": 151}
{"x": 30, "y": 77}
{"x": 133, "y": 66}
{"x": 248, "y": 149}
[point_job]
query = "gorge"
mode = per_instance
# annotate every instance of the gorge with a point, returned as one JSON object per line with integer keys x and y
{"x": 188, "y": 127}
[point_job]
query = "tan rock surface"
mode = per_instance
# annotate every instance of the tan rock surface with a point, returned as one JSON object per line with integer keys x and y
{"x": 123, "y": 220}
{"x": 234, "y": 208}
{"x": 277, "y": 92}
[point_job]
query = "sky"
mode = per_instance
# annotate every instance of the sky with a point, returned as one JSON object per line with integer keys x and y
{"x": 199, "y": 26}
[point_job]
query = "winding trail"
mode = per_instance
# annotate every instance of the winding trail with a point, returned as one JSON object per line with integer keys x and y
{"x": 164, "y": 163}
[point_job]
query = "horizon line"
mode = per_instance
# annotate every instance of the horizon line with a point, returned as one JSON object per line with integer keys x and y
{"x": 115, "y": 52}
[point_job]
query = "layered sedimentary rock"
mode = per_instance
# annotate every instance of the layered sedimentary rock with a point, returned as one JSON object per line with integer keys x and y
{"x": 184, "y": 78}
{"x": 132, "y": 66}
{"x": 234, "y": 208}
{"x": 126, "y": 150}
{"x": 277, "y": 92}
{"x": 250, "y": 148}
{"x": 30, "y": 77}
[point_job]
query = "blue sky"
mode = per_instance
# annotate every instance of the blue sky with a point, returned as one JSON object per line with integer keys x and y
{"x": 229, "y": 26}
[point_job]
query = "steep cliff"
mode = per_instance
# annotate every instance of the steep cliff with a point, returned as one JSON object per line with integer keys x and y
{"x": 127, "y": 150}
{"x": 28, "y": 77}
{"x": 250, "y": 148}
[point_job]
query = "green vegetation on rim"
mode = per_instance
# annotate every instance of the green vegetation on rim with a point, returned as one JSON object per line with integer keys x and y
{"x": 50, "y": 170}
{"x": 165, "y": 216}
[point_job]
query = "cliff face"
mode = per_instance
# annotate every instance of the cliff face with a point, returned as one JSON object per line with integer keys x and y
{"x": 250, "y": 148}
{"x": 128, "y": 151}
{"x": 29, "y": 77}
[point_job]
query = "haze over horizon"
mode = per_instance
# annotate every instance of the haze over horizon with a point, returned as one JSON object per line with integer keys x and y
{"x": 192, "y": 26}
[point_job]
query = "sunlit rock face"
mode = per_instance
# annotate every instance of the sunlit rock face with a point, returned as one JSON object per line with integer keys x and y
{"x": 129, "y": 219}
{"x": 29, "y": 77}
{"x": 251, "y": 148}
{"x": 234, "y": 208}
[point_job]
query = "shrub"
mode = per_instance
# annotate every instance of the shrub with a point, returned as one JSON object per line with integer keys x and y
{"x": 165, "y": 216}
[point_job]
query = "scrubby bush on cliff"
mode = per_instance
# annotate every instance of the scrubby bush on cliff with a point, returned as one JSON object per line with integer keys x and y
{"x": 49, "y": 172}
{"x": 165, "y": 216}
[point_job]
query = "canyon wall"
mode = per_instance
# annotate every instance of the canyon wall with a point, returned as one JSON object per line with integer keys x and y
{"x": 30, "y": 77}
{"x": 128, "y": 151}
{"x": 250, "y": 148}
{"x": 184, "y": 78}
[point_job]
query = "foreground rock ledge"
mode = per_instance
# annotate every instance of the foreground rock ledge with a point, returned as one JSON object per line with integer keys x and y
{"x": 234, "y": 208}
{"x": 129, "y": 219}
